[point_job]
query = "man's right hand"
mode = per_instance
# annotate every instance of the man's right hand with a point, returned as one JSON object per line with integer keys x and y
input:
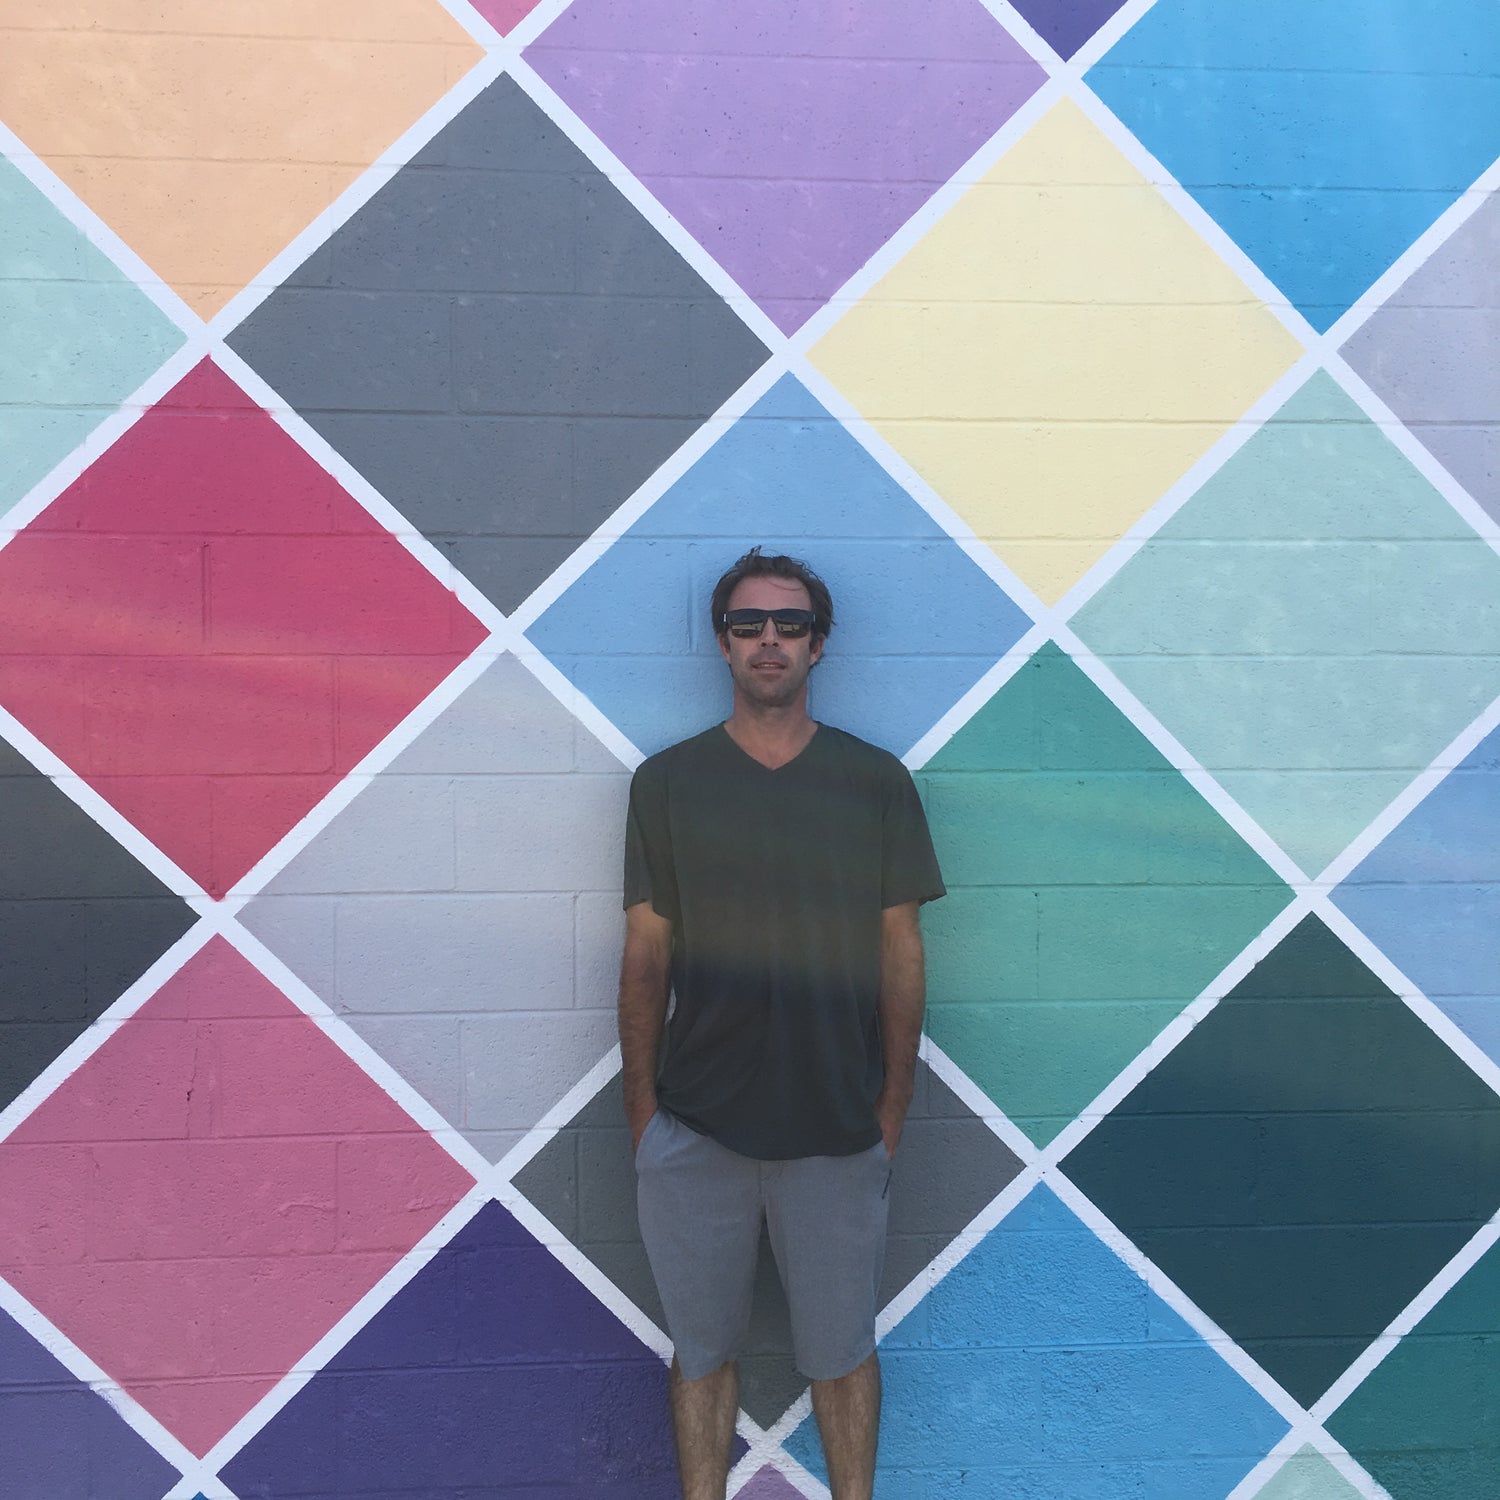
{"x": 645, "y": 978}
{"x": 638, "y": 1117}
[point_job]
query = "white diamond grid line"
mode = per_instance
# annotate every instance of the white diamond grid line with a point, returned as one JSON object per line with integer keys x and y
{"x": 404, "y": 1271}
{"x": 1043, "y": 1166}
{"x": 104, "y": 436}
{"x": 95, "y": 230}
{"x": 1421, "y": 249}
{"x": 1078, "y": 65}
{"x": 1270, "y": 1390}
{"x": 1413, "y": 449}
{"x": 1323, "y": 346}
{"x": 487, "y": 35}
{"x": 1449, "y": 759}
{"x": 354, "y": 197}
{"x": 94, "y": 1036}
{"x": 1309, "y": 1430}
{"x": 82, "y": 1368}
{"x": 1087, "y": 55}
{"x": 77, "y": 790}
{"x": 1343, "y": 926}
{"x": 355, "y": 1047}
{"x": 491, "y": 1182}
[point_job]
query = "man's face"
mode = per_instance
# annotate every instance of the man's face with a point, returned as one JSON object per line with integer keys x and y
{"x": 768, "y": 670}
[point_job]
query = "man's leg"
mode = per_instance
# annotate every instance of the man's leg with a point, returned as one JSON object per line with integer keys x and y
{"x": 848, "y": 1413}
{"x": 703, "y": 1414}
{"x": 700, "y": 1212}
{"x": 827, "y": 1219}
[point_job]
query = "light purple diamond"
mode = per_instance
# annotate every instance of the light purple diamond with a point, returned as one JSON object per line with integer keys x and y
{"x": 790, "y": 139}
{"x": 1432, "y": 353}
{"x": 768, "y": 1484}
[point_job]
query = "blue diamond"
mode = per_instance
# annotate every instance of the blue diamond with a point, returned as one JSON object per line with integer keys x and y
{"x": 1042, "y": 1366}
{"x": 918, "y": 622}
{"x": 1322, "y": 142}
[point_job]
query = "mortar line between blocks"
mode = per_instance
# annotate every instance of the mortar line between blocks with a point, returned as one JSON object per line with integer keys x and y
{"x": 1413, "y": 449}
{"x": 344, "y": 1330}
{"x": 1373, "y": 957}
{"x": 1269, "y": 1389}
{"x": 1396, "y": 811}
{"x": 357, "y": 1050}
{"x": 105, "y": 1025}
{"x": 1406, "y": 1320}
{"x": 83, "y": 1368}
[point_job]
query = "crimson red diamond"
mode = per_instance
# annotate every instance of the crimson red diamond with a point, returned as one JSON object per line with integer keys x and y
{"x": 212, "y": 632}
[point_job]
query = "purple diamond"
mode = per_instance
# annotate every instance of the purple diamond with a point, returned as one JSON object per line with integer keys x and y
{"x": 791, "y": 140}
{"x": 1067, "y": 24}
{"x": 57, "y": 1436}
{"x": 492, "y": 1365}
{"x": 1429, "y": 354}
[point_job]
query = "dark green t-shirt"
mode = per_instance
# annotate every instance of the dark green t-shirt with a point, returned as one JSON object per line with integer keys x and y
{"x": 774, "y": 882}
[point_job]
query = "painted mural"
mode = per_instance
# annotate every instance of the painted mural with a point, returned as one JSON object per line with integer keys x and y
{"x": 383, "y": 383}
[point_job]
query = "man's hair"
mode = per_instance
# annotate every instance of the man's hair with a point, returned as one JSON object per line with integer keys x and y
{"x": 756, "y": 564}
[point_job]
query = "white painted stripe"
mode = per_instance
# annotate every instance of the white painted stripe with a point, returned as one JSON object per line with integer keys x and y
{"x": 82, "y": 1368}
{"x": 98, "y": 1032}
{"x": 1226, "y": 1348}
{"x": 343, "y": 1331}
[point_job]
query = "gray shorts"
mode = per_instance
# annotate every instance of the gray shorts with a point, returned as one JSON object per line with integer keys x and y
{"x": 701, "y": 1207}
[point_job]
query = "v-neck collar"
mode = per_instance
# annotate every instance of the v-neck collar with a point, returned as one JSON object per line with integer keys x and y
{"x": 756, "y": 761}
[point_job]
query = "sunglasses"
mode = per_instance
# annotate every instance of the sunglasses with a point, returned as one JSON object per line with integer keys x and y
{"x": 791, "y": 624}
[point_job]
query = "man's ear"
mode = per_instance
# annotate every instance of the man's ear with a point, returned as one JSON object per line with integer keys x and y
{"x": 815, "y": 651}
{"x": 723, "y": 644}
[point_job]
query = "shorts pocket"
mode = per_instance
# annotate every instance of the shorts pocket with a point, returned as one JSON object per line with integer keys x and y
{"x": 641, "y": 1146}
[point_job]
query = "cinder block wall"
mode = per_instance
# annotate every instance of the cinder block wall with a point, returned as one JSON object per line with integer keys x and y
{"x": 382, "y": 387}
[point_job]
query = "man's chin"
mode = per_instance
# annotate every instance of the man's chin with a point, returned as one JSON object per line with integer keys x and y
{"x": 770, "y": 690}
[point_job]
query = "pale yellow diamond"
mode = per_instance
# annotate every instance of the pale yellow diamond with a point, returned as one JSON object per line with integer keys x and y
{"x": 1057, "y": 352}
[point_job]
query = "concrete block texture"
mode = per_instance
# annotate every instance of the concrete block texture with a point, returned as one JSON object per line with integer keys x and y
{"x": 1429, "y": 352}
{"x": 462, "y": 913}
{"x": 501, "y": 344}
{"x": 80, "y": 920}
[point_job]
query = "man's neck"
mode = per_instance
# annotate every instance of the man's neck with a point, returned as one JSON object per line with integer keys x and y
{"x": 773, "y": 736}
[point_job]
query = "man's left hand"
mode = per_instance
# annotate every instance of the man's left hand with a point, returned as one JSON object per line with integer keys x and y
{"x": 891, "y": 1114}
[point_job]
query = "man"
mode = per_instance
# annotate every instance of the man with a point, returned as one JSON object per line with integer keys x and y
{"x": 774, "y": 867}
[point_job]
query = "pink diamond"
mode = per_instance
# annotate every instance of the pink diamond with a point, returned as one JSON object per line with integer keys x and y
{"x": 210, "y": 1192}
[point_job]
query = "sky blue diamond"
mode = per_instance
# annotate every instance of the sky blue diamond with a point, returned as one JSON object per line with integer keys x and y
{"x": 1042, "y": 1366}
{"x": 917, "y": 622}
{"x": 1324, "y": 142}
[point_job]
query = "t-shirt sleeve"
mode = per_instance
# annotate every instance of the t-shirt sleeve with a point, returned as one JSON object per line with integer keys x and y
{"x": 650, "y": 874}
{"x": 909, "y": 869}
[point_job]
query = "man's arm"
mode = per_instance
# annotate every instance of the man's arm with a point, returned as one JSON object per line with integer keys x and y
{"x": 645, "y": 979}
{"x": 903, "y": 997}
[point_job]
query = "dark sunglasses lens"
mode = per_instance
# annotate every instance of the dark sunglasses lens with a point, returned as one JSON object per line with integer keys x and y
{"x": 746, "y": 623}
{"x": 791, "y": 624}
